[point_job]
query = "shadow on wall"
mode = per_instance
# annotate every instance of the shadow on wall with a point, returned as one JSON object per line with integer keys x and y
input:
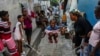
{"x": 88, "y": 7}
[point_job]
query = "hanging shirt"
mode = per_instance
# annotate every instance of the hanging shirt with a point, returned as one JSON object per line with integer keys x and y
{"x": 64, "y": 18}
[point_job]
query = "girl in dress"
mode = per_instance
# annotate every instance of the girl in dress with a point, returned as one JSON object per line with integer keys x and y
{"x": 18, "y": 33}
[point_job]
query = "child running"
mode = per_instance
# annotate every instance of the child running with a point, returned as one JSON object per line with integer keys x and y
{"x": 18, "y": 33}
{"x": 5, "y": 33}
{"x": 52, "y": 31}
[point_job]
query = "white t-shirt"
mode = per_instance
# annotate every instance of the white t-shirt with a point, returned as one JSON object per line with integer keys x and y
{"x": 17, "y": 35}
{"x": 95, "y": 35}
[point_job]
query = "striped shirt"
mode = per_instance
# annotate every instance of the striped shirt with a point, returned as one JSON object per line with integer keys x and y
{"x": 5, "y": 31}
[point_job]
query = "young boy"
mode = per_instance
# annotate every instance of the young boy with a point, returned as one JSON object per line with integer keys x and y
{"x": 5, "y": 33}
{"x": 52, "y": 31}
{"x": 18, "y": 33}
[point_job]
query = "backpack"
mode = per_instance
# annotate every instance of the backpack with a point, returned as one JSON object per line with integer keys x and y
{"x": 14, "y": 29}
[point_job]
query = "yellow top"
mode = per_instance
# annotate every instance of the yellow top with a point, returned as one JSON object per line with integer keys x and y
{"x": 64, "y": 18}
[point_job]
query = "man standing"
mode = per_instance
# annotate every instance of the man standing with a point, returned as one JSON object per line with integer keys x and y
{"x": 94, "y": 41}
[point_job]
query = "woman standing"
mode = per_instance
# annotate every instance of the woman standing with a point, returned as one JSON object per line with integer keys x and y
{"x": 28, "y": 25}
{"x": 82, "y": 27}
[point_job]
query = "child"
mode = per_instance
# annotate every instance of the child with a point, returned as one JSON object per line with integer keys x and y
{"x": 52, "y": 31}
{"x": 28, "y": 25}
{"x": 5, "y": 33}
{"x": 18, "y": 34}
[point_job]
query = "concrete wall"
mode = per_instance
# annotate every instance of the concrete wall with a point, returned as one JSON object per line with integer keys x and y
{"x": 14, "y": 9}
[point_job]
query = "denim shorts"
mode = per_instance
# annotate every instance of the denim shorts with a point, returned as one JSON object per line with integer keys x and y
{"x": 90, "y": 48}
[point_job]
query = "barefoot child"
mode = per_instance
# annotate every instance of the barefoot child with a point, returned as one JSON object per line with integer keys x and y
{"x": 52, "y": 31}
{"x": 18, "y": 33}
{"x": 5, "y": 33}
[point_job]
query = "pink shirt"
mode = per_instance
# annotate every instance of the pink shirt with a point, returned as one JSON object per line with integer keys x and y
{"x": 28, "y": 22}
{"x": 95, "y": 35}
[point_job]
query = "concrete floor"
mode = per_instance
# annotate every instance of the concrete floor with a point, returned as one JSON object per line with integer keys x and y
{"x": 62, "y": 48}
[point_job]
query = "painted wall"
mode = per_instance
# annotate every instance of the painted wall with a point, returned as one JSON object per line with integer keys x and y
{"x": 88, "y": 7}
{"x": 13, "y": 7}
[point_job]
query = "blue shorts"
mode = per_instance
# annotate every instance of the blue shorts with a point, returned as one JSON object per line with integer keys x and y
{"x": 90, "y": 48}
